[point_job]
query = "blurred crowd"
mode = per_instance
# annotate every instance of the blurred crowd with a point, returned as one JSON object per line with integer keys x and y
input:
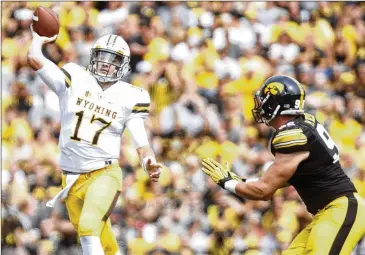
{"x": 201, "y": 63}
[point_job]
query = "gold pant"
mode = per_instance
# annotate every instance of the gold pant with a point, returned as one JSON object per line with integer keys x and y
{"x": 335, "y": 230}
{"x": 90, "y": 202}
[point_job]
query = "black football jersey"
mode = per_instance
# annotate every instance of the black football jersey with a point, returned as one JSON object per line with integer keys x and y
{"x": 320, "y": 178}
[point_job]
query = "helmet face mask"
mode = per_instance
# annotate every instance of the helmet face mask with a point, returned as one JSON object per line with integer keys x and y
{"x": 109, "y": 59}
{"x": 257, "y": 111}
{"x": 265, "y": 109}
{"x": 278, "y": 95}
{"x": 107, "y": 66}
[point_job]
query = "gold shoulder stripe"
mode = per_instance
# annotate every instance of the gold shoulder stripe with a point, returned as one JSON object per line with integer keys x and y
{"x": 290, "y": 144}
{"x": 309, "y": 122}
{"x": 289, "y": 137}
{"x": 140, "y": 111}
{"x": 67, "y": 78}
{"x": 140, "y": 108}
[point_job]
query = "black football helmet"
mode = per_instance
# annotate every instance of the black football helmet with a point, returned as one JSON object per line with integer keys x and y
{"x": 279, "y": 94}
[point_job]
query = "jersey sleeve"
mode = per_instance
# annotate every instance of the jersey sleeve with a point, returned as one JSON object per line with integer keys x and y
{"x": 58, "y": 80}
{"x": 141, "y": 107}
{"x": 289, "y": 140}
{"x": 138, "y": 132}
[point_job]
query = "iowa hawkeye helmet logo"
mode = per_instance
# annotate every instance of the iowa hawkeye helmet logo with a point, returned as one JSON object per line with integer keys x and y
{"x": 274, "y": 88}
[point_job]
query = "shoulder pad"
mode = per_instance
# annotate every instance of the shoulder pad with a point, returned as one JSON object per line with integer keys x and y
{"x": 72, "y": 67}
{"x": 290, "y": 136}
{"x": 132, "y": 87}
{"x": 68, "y": 70}
{"x": 140, "y": 95}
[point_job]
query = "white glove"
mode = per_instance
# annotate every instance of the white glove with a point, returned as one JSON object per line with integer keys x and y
{"x": 42, "y": 39}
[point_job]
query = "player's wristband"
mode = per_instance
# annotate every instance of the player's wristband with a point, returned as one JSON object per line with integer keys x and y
{"x": 231, "y": 185}
{"x": 144, "y": 162}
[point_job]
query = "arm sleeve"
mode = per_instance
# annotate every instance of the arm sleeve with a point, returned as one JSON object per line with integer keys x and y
{"x": 138, "y": 132}
{"x": 141, "y": 108}
{"x": 54, "y": 78}
{"x": 289, "y": 141}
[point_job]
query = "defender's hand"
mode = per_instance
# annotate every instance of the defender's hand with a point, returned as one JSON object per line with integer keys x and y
{"x": 43, "y": 39}
{"x": 218, "y": 173}
{"x": 153, "y": 170}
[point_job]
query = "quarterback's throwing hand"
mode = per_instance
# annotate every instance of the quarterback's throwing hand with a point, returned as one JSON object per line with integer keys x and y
{"x": 43, "y": 39}
{"x": 218, "y": 173}
{"x": 153, "y": 169}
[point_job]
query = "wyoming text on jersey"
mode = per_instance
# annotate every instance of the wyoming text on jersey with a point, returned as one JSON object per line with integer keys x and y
{"x": 96, "y": 108}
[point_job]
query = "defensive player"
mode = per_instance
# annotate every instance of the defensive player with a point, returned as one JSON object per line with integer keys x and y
{"x": 307, "y": 158}
{"x": 96, "y": 107}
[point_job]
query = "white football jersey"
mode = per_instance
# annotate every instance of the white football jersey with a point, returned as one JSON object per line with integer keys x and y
{"x": 93, "y": 120}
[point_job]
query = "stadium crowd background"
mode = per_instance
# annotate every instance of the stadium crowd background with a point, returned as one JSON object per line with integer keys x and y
{"x": 201, "y": 63}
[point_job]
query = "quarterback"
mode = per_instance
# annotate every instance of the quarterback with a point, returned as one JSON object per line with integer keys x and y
{"x": 307, "y": 158}
{"x": 96, "y": 107}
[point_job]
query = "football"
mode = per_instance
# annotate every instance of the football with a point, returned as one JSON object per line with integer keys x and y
{"x": 45, "y": 22}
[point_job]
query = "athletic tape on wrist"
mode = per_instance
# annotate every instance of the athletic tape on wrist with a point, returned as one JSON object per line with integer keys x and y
{"x": 231, "y": 186}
